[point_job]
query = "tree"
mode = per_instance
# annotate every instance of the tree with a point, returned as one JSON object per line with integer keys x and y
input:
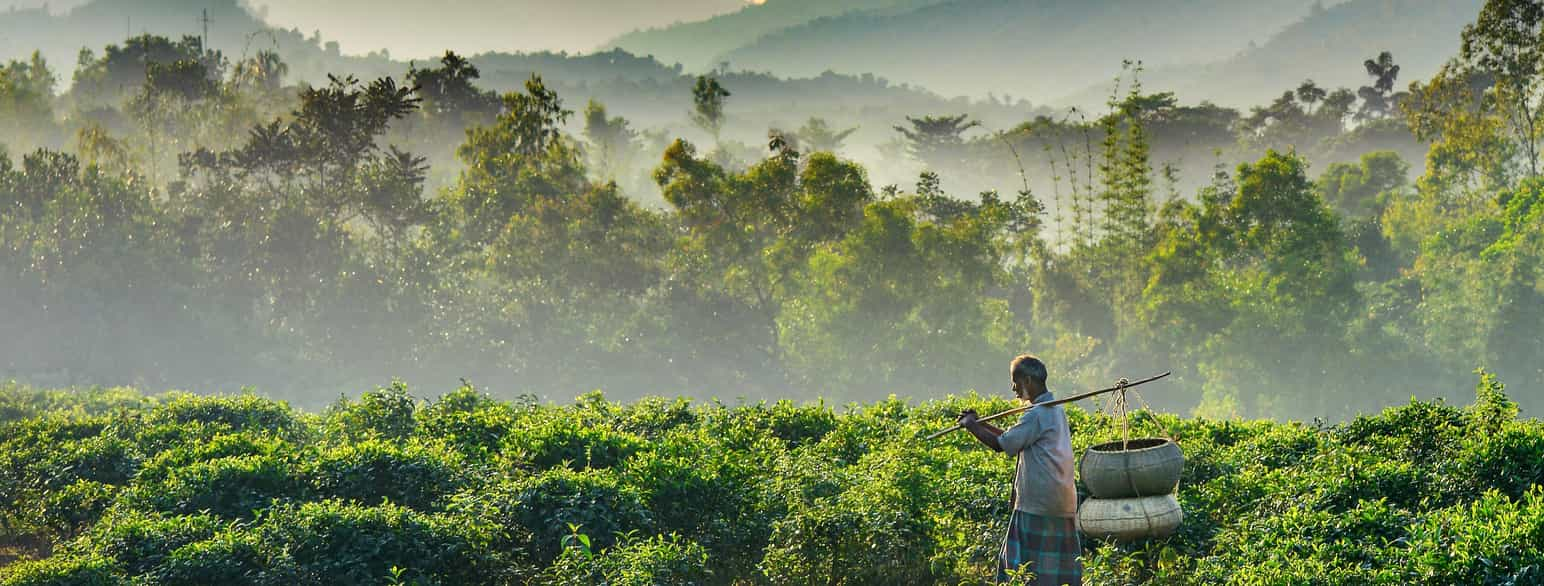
{"x": 120, "y": 70}
{"x": 275, "y": 210}
{"x": 1504, "y": 43}
{"x": 1126, "y": 171}
{"x": 264, "y": 71}
{"x": 449, "y": 91}
{"x": 611, "y": 140}
{"x": 176, "y": 106}
{"x": 708, "y": 105}
{"x": 1260, "y": 271}
{"x": 26, "y": 102}
{"x": 937, "y": 141}
{"x": 817, "y": 136}
{"x": 1378, "y": 100}
{"x": 520, "y": 158}
{"x": 559, "y": 263}
{"x": 749, "y": 233}
{"x": 1310, "y": 93}
{"x": 1360, "y": 190}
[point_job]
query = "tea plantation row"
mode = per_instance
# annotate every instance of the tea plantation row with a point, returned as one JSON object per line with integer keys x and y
{"x": 108, "y": 486}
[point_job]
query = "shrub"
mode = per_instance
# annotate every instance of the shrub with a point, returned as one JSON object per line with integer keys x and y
{"x": 653, "y": 417}
{"x": 230, "y": 558}
{"x": 471, "y": 423}
{"x": 726, "y": 515}
{"x": 231, "y": 487}
{"x": 1419, "y": 431}
{"x": 137, "y": 543}
{"x": 59, "y": 571}
{"x": 374, "y": 471}
{"x": 1511, "y": 461}
{"x": 340, "y": 543}
{"x": 1492, "y": 540}
{"x": 216, "y": 446}
{"x": 560, "y": 441}
{"x": 225, "y": 491}
{"x": 387, "y": 413}
{"x": 237, "y": 413}
{"x": 877, "y": 530}
{"x": 656, "y": 561}
{"x": 539, "y": 511}
{"x": 69, "y": 510}
{"x": 799, "y": 425}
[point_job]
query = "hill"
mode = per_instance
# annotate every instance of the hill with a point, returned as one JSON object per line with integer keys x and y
{"x": 651, "y": 94}
{"x": 423, "y": 28}
{"x": 1330, "y": 45}
{"x": 233, "y": 30}
{"x": 109, "y": 486}
{"x": 1034, "y": 48}
{"x": 698, "y": 45}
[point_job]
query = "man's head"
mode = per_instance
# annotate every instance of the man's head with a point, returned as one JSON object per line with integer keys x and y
{"x": 1029, "y": 375}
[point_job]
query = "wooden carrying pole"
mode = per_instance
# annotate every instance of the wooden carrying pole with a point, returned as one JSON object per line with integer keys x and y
{"x": 1123, "y": 385}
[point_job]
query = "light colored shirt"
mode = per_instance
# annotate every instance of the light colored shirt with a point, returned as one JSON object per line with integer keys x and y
{"x": 1042, "y": 441}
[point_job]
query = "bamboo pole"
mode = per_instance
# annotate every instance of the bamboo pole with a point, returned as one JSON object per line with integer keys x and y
{"x": 1124, "y": 384}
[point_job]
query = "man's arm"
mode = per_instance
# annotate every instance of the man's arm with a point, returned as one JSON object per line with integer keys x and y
{"x": 985, "y": 433}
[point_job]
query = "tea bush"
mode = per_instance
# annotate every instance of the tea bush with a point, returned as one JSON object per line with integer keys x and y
{"x": 108, "y": 487}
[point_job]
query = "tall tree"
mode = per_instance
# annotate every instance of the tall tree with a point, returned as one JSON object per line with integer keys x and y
{"x": 1506, "y": 43}
{"x": 751, "y": 232}
{"x": 937, "y": 141}
{"x": 817, "y": 136}
{"x": 708, "y": 98}
{"x": 450, "y": 92}
{"x": 1310, "y": 93}
{"x": 611, "y": 139}
{"x": 1378, "y": 99}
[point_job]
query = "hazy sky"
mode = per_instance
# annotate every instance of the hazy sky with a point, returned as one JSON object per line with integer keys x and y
{"x": 423, "y": 28}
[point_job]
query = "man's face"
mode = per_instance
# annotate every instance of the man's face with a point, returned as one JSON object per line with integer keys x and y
{"x": 1021, "y": 389}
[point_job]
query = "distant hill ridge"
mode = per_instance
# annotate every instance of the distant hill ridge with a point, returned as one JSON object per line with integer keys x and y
{"x": 1329, "y": 47}
{"x": 698, "y": 46}
{"x": 1036, "y": 48}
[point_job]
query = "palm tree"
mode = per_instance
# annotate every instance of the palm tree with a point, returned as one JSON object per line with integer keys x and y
{"x": 1310, "y": 93}
{"x": 1375, "y": 98}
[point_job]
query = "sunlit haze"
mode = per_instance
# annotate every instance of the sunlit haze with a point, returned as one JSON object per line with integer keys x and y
{"x": 417, "y": 29}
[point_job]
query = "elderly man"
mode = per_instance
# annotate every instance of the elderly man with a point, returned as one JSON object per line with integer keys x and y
{"x": 1042, "y": 534}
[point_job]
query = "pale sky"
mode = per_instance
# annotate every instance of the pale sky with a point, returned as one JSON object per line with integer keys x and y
{"x": 425, "y": 28}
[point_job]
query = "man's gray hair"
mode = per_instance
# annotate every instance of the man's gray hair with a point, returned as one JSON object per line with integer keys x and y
{"x": 1028, "y": 366}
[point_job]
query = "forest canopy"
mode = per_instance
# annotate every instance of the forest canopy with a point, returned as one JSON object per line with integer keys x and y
{"x": 176, "y": 217}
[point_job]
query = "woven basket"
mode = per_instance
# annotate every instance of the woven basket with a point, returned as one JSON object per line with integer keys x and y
{"x": 1135, "y": 468}
{"x": 1130, "y": 519}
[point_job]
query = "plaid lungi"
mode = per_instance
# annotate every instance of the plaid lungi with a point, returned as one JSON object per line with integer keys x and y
{"x": 1049, "y": 545}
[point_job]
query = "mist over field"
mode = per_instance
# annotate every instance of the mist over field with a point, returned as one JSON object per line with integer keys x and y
{"x": 789, "y": 199}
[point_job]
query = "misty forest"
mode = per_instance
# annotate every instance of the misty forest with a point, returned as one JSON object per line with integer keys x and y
{"x": 678, "y": 306}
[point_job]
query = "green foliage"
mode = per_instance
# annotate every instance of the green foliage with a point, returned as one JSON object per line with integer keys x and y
{"x": 386, "y": 413}
{"x": 660, "y": 560}
{"x": 377, "y": 471}
{"x": 209, "y": 225}
{"x": 232, "y": 487}
{"x": 247, "y": 412}
{"x": 139, "y": 543}
{"x": 706, "y": 493}
{"x": 1360, "y": 190}
{"x": 332, "y": 542}
{"x": 82, "y": 571}
{"x": 708, "y": 104}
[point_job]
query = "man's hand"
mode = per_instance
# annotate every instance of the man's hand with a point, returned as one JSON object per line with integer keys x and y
{"x": 967, "y": 418}
{"x": 983, "y": 433}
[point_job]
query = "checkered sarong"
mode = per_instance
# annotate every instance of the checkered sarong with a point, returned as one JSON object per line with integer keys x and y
{"x": 1049, "y": 545}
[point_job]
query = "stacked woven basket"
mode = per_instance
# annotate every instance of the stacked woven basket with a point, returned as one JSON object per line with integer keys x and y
{"x": 1131, "y": 485}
